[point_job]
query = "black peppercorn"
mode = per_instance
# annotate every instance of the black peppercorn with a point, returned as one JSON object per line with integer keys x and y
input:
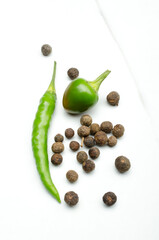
{"x": 58, "y": 138}
{"x": 94, "y": 128}
{"x": 46, "y": 49}
{"x": 106, "y": 126}
{"x": 72, "y": 176}
{"x": 86, "y": 120}
{"x": 94, "y": 152}
{"x": 56, "y": 159}
{"x": 82, "y": 156}
{"x": 122, "y": 164}
{"x": 74, "y": 146}
{"x": 69, "y": 133}
{"x": 118, "y": 130}
{"x": 71, "y": 198}
{"x": 109, "y": 198}
{"x": 83, "y": 131}
{"x": 113, "y": 98}
{"x": 88, "y": 166}
{"x": 89, "y": 141}
{"x": 57, "y": 147}
{"x": 73, "y": 73}
{"x": 101, "y": 138}
{"x": 112, "y": 141}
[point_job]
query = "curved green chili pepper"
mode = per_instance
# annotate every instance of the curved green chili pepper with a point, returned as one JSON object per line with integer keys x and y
{"x": 39, "y": 136}
{"x": 81, "y": 94}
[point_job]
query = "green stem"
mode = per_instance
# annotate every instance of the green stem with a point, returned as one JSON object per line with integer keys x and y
{"x": 51, "y": 87}
{"x": 97, "y": 82}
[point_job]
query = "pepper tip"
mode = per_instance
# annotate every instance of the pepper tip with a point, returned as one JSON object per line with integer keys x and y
{"x": 58, "y": 199}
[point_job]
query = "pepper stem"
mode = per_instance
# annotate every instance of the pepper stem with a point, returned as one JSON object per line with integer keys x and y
{"x": 82, "y": 141}
{"x": 97, "y": 82}
{"x": 51, "y": 87}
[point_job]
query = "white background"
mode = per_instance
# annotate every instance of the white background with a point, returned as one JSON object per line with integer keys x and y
{"x": 92, "y": 36}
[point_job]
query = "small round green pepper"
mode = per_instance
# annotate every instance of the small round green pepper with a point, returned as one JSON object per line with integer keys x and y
{"x": 81, "y": 94}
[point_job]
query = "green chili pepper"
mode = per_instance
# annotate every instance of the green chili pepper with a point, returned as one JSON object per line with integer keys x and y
{"x": 39, "y": 136}
{"x": 81, "y": 94}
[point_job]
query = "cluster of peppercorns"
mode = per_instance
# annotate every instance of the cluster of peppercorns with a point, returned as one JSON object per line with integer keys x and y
{"x": 57, "y": 149}
{"x": 98, "y": 137}
{"x": 99, "y": 132}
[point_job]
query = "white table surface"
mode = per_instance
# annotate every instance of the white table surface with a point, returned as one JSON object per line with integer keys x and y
{"x": 134, "y": 26}
{"x": 92, "y": 36}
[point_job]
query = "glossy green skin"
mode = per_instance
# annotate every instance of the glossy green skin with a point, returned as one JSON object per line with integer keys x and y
{"x": 39, "y": 140}
{"x": 79, "y": 96}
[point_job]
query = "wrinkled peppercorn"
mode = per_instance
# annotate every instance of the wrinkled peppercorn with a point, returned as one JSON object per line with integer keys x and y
{"x": 46, "y": 49}
{"x": 86, "y": 120}
{"x": 88, "y": 166}
{"x": 94, "y": 152}
{"x": 106, "y": 126}
{"x": 69, "y": 133}
{"x": 73, "y": 73}
{"x": 101, "y": 138}
{"x": 56, "y": 159}
{"x": 89, "y": 141}
{"x": 82, "y": 156}
{"x": 74, "y": 146}
{"x": 118, "y": 130}
{"x": 112, "y": 141}
{"x": 94, "y": 128}
{"x": 58, "y": 138}
{"x": 122, "y": 164}
{"x": 71, "y": 198}
{"x": 72, "y": 176}
{"x": 83, "y": 131}
{"x": 113, "y": 98}
{"x": 109, "y": 198}
{"x": 57, "y": 147}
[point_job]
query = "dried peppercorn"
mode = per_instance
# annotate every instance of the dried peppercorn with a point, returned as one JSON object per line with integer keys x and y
{"x": 73, "y": 73}
{"x": 72, "y": 176}
{"x": 88, "y": 166}
{"x": 74, "y": 145}
{"x": 118, "y": 130}
{"x": 46, "y": 49}
{"x": 58, "y": 138}
{"x": 71, "y": 198}
{"x": 82, "y": 156}
{"x": 94, "y": 152}
{"x": 56, "y": 159}
{"x": 106, "y": 126}
{"x": 69, "y": 133}
{"x": 113, "y": 98}
{"x": 86, "y": 120}
{"x": 57, "y": 147}
{"x": 112, "y": 141}
{"x": 101, "y": 138}
{"x": 109, "y": 198}
{"x": 89, "y": 141}
{"x": 83, "y": 131}
{"x": 122, "y": 164}
{"x": 94, "y": 128}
